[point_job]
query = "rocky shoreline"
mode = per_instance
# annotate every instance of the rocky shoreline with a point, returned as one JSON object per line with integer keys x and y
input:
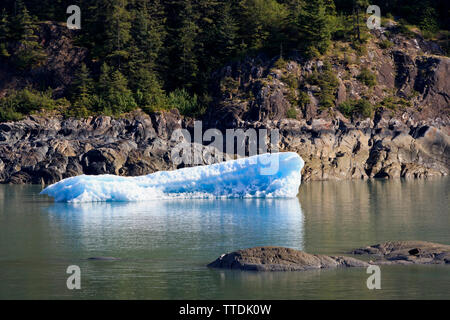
{"x": 44, "y": 150}
{"x": 286, "y": 259}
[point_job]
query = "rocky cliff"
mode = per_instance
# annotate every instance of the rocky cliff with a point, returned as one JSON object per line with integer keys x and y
{"x": 405, "y": 134}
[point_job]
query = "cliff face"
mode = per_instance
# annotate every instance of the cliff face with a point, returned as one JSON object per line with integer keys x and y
{"x": 407, "y": 137}
{"x": 46, "y": 150}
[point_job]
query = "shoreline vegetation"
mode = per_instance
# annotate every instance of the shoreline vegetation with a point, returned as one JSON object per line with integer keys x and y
{"x": 160, "y": 55}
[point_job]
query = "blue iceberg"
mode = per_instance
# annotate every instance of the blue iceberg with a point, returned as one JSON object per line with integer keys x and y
{"x": 275, "y": 175}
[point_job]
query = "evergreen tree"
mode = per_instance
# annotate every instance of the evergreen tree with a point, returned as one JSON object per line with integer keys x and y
{"x": 183, "y": 60}
{"x": 114, "y": 95}
{"x": 82, "y": 83}
{"x": 117, "y": 27}
{"x": 225, "y": 33}
{"x": 4, "y": 34}
{"x": 30, "y": 52}
{"x": 120, "y": 98}
{"x": 316, "y": 27}
{"x": 261, "y": 22}
{"x": 82, "y": 90}
{"x": 359, "y": 9}
{"x": 292, "y": 25}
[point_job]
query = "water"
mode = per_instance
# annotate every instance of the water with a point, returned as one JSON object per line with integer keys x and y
{"x": 165, "y": 245}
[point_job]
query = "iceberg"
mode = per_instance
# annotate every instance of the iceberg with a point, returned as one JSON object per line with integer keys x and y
{"x": 275, "y": 175}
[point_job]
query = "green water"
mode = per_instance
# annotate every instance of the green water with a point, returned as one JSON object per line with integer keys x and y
{"x": 165, "y": 245}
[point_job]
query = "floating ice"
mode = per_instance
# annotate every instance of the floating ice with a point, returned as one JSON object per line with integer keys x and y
{"x": 274, "y": 175}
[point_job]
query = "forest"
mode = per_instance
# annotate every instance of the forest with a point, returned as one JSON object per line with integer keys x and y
{"x": 160, "y": 54}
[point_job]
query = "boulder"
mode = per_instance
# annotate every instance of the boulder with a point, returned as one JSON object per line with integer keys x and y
{"x": 281, "y": 259}
{"x": 407, "y": 252}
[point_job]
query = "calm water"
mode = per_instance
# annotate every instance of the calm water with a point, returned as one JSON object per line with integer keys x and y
{"x": 164, "y": 246}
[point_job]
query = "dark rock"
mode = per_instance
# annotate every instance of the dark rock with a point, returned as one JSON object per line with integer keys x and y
{"x": 407, "y": 252}
{"x": 281, "y": 259}
{"x": 104, "y": 258}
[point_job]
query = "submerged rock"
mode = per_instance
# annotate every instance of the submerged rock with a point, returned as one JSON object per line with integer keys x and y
{"x": 281, "y": 259}
{"x": 407, "y": 252}
{"x": 104, "y": 258}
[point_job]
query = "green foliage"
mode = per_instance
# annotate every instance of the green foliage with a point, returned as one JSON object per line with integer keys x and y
{"x": 303, "y": 99}
{"x": 354, "y": 108}
{"x": 4, "y": 34}
{"x": 292, "y": 113}
{"x": 153, "y": 46}
{"x": 264, "y": 19}
{"x": 187, "y": 105}
{"x": 394, "y": 103}
{"x": 149, "y": 94}
{"x": 328, "y": 83}
{"x": 317, "y": 26}
{"x": 385, "y": 44}
{"x": 291, "y": 80}
{"x": 114, "y": 95}
{"x": 280, "y": 64}
{"x": 22, "y": 102}
{"x": 30, "y": 53}
{"x": 229, "y": 84}
{"x": 367, "y": 77}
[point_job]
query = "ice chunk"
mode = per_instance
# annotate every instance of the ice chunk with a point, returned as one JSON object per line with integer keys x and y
{"x": 274, "y": 175}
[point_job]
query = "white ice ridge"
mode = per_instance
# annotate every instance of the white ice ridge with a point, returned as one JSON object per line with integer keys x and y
{"x": 274, "y": 175}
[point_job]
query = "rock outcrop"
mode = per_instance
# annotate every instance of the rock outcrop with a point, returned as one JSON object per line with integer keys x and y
{"x": 48, "y": 149}
{"x": 407, "y": 252}
{"x": 281, "y": 259}
{"x": 408, "y": 135}
{"x": 44, "y": 150}
{"x": 286, "y": 259}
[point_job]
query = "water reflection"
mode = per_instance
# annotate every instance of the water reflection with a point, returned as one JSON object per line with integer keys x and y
{"x": 347, "y": 214}
{"x": 181, "y": 229}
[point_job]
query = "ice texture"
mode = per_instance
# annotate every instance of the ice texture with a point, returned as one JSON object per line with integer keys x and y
{"x": 275, "y": 175}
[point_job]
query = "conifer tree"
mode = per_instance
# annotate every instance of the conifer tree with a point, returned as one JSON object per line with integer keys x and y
{"x": 183, "y": 58}
{"x": 316, "y": 27}
{"x": 82, "y": 84}
{"x": 226, "y": 35}
{"x": 117, "y": 27}
{"x": 30, "y": 52}
{"x": 4, "y": 34}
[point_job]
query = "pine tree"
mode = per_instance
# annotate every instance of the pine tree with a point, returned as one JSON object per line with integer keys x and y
{"x": 119, "y": 97}
{"x": 4, "y": 34}
{"x": 82, "y": 84}
{"x": 82, "y": 90}
{"x": 117, "y": 27}
{"x": 30, "y": 52}
{"x": 225, "y": 33}
{"x": 114, "y": 95}
{"x": 359, "y": 9}
{"x": 183, "y": 59}
{"x": 316, "y": 27}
